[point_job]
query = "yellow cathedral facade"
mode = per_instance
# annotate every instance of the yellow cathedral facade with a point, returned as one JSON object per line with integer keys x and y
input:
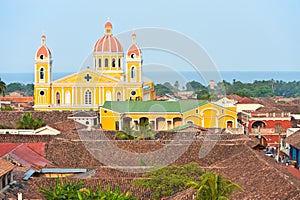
{"x": 88, "y": 89}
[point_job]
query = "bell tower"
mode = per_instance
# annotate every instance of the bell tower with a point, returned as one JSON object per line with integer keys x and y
{"x": 134, "y": 62}
{"x": 43, "y": 75}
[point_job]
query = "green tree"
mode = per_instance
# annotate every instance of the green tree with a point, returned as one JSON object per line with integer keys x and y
{"x": 2, "y": 87}
{"x": 168, "y": 180}
{"x": 77, "y": 191}
{"x": 195, "y": 86}
{"x": 27, "y": 122}
{"x": 161, "y": 89}
{"x": 213, "y": 187}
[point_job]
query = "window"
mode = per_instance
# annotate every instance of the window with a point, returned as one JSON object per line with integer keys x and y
{"x": 106, "y": 62}
{"x": 119, "y": 62}
{"x": 42, "y": 57}
{"x": 42, "y": 93}
{"x": 57, "y": 98}
{"x": 229, "y": 124}
{"x": 41, "y": 73}
{"x": 99, "y": 62}
{"x": 113, "y": 62}
{"x": 132, "y": 72}
{"x": 197, "y": 111}
{"x": 119, "y": 96}
{"x": 88, "y": 97}
{"x": 133, "y": 93}
{"x": 108, "y": 96}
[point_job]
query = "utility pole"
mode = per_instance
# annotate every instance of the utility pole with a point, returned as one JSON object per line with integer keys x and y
{"x": 278, "y": 130}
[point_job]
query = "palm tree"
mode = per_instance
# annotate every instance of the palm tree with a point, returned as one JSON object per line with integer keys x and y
{"x": 2, "y": 87}
{"x": 27, "y": 122}
{"x": 213, "y": 187}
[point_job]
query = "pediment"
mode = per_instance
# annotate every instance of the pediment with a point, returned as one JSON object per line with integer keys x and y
{"x": 88, "y": 76}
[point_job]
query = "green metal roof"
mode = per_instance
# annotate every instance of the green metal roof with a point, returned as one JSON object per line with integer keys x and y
{"x": 152, "y": 106}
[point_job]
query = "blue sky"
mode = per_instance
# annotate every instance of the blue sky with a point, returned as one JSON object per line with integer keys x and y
{"x": 255, "y": 35}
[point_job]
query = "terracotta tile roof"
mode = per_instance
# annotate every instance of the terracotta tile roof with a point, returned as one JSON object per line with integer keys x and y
{"x": 246, "y": 100}
{"x": 294, "y": 139}
{"x": 84, "y": 114}
{"x": 229, "y": 155}
{"x": 25, "y": 99}
{"x": 188, "y": 125}
{"x": 5, "y": 166}
{"x": 234, "y": 97}
{"x": 67, "y": 125}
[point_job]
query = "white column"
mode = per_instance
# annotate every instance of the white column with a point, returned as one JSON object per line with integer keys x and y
{"x": 99, "y": 99}
{"x": 52, "y": 96}
{"x": 103, "y": 94}
{"x": 81, "y": 96}
{"x": 62, "y": 96}
{"x": 94, "y": 96}
{"x": 113, "y": 94}
{"x": 72, "y": 100}
{"x": 124, "y": 94}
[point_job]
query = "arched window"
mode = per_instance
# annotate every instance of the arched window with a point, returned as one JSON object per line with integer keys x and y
{"x": 119, "y": 96}
{"x": 68, "y": 97}
{"x": 108, "y": 96}
{"x": 99, "y": 62}
{"x": 119, "y": 62}
{"x": 88, "y": 97}
{"x": 132, "y": 72}
{"x": 113, "y": 62}
{"x": 41, "y": 73}
{"x": 57, "y": 98}
{"x": 106, "y": 62}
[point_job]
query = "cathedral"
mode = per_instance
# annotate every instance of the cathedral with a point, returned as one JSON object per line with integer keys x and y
{"x": 107, "y": 80}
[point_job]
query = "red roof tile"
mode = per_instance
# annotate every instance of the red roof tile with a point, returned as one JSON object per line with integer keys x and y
{"x": 246, "y": 100}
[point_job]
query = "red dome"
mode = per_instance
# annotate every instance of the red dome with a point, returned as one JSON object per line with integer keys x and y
{"x": 108, "y": 43}
{"x": 134, "y": 49}
{"x": 43, "y": 52}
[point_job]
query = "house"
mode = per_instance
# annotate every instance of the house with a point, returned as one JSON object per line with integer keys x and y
{"x": 18, "y": 102}
{"x": 86, "y": 118}
{"x": 247, "y": 104}
{"x": 294, "y": 146}
{"x": 165, "y": 115}
{"x": 6, "y": 173}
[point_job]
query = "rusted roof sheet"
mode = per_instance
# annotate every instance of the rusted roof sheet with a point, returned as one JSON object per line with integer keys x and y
{"x": 27, "y": 157}
{"x": 5, "y": 166}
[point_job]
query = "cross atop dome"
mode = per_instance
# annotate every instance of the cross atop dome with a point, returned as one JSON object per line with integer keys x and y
{"x": 43, "y": 40}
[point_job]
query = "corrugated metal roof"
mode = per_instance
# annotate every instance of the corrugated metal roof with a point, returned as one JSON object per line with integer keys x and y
{"x": 63, "y": 170}
{"x": 28, "y": 174}
{"x": 27, "y": 157}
